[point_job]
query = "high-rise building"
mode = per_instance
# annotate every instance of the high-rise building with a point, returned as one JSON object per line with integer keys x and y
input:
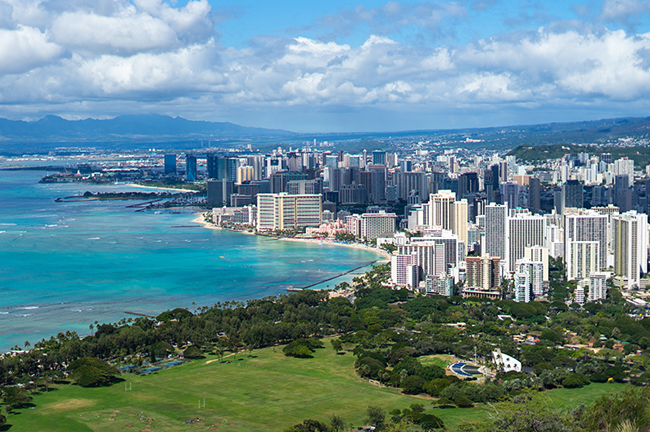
{"x": 622, "y": 194}
{"x": 170, "y": 164}
{"x": 598, "y": 286}
{"x": 524, "y": 230}
{"x": 585, "y": 225}
{"x": 412, "y": 181}
{"x": 534, "y": 272}
{"x": 404, "y": 270}
{"x": 580, "y": 295}
{"x": 280, "y": 179}
{"x": 212, "y": 162}
{"x": 503, "y": 171}
{"x": 305, "y": 187}
{"x": 454, "y": 251}
{"x": 441, "y": 284}
{"x": 245, "y": 173}
{"x": 483, "y": 277}
{"x": 379, "y": 157}
{"x": 624, "y": 166}
{"x": 283, "y": 211}
{"x": 429, "y": 257}
{"x": 491, "y": 181}
{"x": 377, "y": 190}
{"x": 534, "y": 194}
{"x": 257, "y": 162}
{"x": 496, "y": 230}
{"x": 191, "y": 171}
{"x": 219, "y": 192}
{"x": 375, "y": 225}
{"x": 467, "y": 184}
{"x": 630, "y": 246}
{"x": 273, "y": 164}
{"x": 572, "y": 194}
{"x": 539, "y": 254}
{"x": 583, "y": 259}
{"x": 510, "y": 194}
{"x": 459, "y": 226}
{"x": 353, "y": 194}
{"x": 232, "y": 166}
{"x": 522, "y": 287}
{"x": 441, "y": 206}
{"x": 222, "y": 168}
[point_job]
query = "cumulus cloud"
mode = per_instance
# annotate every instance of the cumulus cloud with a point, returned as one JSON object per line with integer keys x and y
{"x": 149, "y": 55}
{"x": 25, "y": 48}
{"x": 128, "y": 33}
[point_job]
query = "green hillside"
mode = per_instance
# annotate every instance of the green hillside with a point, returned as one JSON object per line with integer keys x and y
{"x": 640, "y": 155}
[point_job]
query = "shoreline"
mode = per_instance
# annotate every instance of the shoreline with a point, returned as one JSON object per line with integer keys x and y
{"x": 155, "y": 187}
{"x": 383, "y": 254}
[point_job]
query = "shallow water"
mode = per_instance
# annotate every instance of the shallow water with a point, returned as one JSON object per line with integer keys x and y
{"x": 65, "y": 265}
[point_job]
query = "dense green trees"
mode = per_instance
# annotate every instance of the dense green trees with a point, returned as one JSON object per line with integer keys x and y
{"x": 391, "y": 332}
{"x": 193, "y": 352}
{"x": 92, "y": 372}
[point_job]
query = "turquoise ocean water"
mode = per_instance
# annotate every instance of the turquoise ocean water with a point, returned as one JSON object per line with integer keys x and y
{"x": 65, "y": 265}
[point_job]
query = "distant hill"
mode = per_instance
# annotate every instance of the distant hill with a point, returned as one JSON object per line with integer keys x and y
{"x": 152, "y": 130}
{"x": 125, "y": 128}
{"x": 639, "y": 154}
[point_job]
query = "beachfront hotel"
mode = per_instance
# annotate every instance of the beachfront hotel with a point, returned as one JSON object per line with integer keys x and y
{"x": 283, "y": 211}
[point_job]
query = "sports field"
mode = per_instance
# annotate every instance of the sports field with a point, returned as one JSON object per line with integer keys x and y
{"x": 267, "y": 392}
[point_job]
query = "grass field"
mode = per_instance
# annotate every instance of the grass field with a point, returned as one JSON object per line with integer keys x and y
{"x": 442, "y": 360}
{"x": 268, "y": 392}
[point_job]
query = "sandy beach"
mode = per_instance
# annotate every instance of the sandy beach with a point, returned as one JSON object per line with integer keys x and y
{"x": 200, "y": 220}
{"x": 160, "y": 188}
{"x": 384, "y": 254}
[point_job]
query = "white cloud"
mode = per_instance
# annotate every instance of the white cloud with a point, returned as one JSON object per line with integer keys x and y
{"x": 129, "y": 32}
{"x": 25, "y": 48}
{"x": 148, "y": 54}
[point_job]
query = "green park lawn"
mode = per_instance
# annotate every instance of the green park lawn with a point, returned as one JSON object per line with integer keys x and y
{"x": 266, "y": 392}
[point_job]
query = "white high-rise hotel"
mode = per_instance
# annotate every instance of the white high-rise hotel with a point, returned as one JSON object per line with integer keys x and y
{"x": 282, "y": 211}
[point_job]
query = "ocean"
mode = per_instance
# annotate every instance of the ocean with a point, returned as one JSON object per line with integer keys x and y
{"x": 65, "y": 265}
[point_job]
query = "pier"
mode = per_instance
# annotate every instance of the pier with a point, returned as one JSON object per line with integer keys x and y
{"x": 333, "y": 277}
{"x": 140, "y": 314}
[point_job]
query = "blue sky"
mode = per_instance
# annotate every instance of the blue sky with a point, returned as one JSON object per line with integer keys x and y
{"x": 317, "y": 66}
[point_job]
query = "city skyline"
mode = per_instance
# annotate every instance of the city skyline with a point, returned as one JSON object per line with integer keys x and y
{"x": 375, "y": 65}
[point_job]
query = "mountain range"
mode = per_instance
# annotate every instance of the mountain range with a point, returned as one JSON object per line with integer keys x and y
{"x": 127, "y": 127}
{"x": 146, "y": 130}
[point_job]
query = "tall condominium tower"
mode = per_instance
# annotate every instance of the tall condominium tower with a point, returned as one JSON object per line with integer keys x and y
{"x": 496, "y": 230}
{"x": 572, "y": 194}
{"x": 585, "y": 225}
{"x": 483, "y": 277}
{"x": 534, "y": 194}
{"x": 441, "y": 206}
{"x": 190, "y": 167}
{"x": 524, "y": 230}
{"x": 630, "y": 246}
